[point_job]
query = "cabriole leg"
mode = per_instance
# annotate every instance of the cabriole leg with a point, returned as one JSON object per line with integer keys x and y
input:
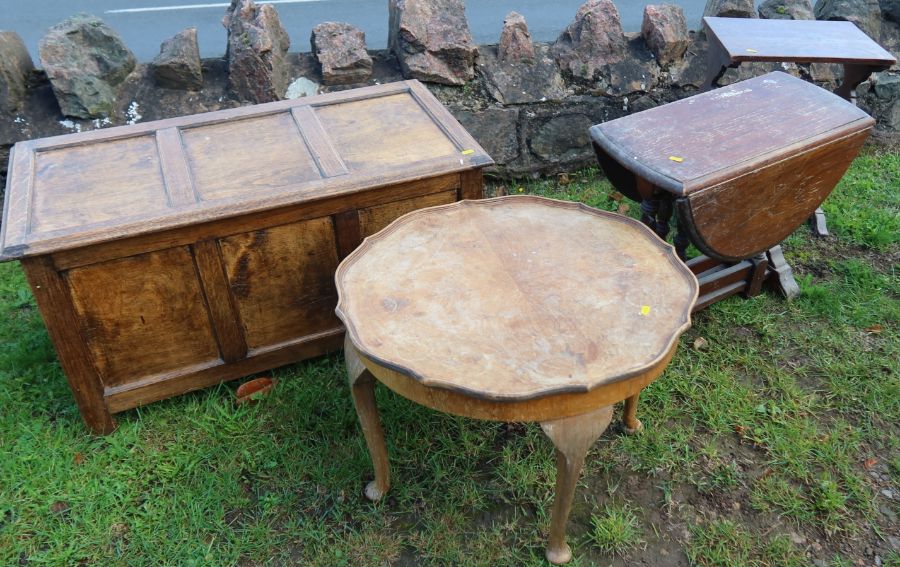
{"x": 572, "y": 437}
{"x": 362, "y": 388}
{"x": 629, "y": 416}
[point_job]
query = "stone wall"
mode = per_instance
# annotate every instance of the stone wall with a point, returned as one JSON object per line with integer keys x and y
{"x": 530, "y": 105}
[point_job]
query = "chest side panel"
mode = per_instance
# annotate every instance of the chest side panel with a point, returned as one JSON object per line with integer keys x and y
{"x": 282, "y": 280}
{"x": 144, "y": 315}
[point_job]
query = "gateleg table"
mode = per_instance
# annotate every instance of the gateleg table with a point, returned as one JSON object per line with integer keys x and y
{"x": 733, "y": 41}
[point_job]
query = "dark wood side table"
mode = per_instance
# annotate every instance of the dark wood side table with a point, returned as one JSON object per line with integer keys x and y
{"x": 513, "y": 309}
{"x": 742, "y": 166}
{"x": 733, "y": 41}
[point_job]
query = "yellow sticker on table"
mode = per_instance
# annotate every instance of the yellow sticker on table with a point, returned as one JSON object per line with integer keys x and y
{"x": 467, "y": 152}
{"x": 645, "y": 310}
{"x": 676, "y": 159}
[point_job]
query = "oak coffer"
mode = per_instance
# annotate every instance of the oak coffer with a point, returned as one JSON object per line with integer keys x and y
{"x": 172, "y": 255}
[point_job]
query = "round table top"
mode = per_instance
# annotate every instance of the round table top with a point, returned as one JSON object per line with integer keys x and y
{"x": 515, "y": 298}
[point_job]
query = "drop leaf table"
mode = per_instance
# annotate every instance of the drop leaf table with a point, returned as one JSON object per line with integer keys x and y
{"x": 741, "y": 166}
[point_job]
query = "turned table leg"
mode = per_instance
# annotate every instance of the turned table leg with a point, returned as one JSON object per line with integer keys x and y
{"x": 572, "y": 437}
{"x": 362, "y": 388}
{"x": 629, "y": 416}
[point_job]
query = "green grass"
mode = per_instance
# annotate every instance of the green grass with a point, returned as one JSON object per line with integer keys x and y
{"x": 615, "y": 530}
{"x": 776, "y": 427}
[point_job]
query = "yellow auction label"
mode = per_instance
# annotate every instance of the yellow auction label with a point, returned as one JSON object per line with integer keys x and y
{"x": 467, "y": 152}
{"x": 676, "y": 159}
{"x": 645, "y": 310}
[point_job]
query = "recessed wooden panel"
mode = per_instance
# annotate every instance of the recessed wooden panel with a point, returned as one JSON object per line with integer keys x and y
{"x": 364, "y": 141}
{"x": 373, "y": 219}
{"x": 282, "y": 280}
{"x": 143, "y": 315}
{"x": 227, "y": 161}
{"x": 78, "y": 190}
{"x": 78, "y": 186}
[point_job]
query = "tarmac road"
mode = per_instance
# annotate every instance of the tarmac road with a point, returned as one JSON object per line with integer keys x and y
{"x": 144, "y": 24}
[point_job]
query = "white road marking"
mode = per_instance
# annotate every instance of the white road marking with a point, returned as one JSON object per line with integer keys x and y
{"x": 199, "y": 6}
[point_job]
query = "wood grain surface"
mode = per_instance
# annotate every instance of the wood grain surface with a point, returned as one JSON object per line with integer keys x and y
{"x": 71, "y": 191}
{"x": 719, "y": 135}
{"x": 747, "y": 215}
{"x": 750, "y": 39}
{"x": 282, "y": 280}
{"x": 143, "y": 315}
{"x": 172, "y": 255}
{"x": 515, "y": 298}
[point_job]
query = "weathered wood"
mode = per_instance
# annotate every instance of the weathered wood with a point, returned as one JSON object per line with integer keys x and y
{"x": 282, "y": 280}
{"x": 746, "y": 164}
{"x": 707, "y": 299}
{"x": 782, "y": 274}
{"x": 471, "y": 184}
{"x": 223, "y": 313}
{"x": 54, "y": 301}
{"x": 241, "y": 161}
{"x": 583, "y": 309}
{"x": 66, "y": 259}
{"x": 817, "y": 223}
{"x": 203, "y": 248}
{"x": 154, "y": 388}
{"x": 143, "y": 315}
{"x": 373, "y": 219}
{"x": 804, "y": 41}
{"x": 362, "y": 388}
{"x": 175, "y": 170}
{"x": 500, "y": 256}
{"x": 347, "y": 232}
{"x": 536, "y": 409}
{"x": 757, "y": 274}
{"x": 747, "y": 215}
{"x": 629, "y": 415}
{"x": 723, "y": 134}
{"x": 572, "y": 437}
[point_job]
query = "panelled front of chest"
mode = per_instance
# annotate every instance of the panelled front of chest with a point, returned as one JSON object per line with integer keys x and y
{"x": 170, "y": 256}
{"x": 149, "y": 318}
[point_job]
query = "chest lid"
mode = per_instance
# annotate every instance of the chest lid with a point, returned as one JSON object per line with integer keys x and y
{"x": 699, "y": 141}
{"x": 75, "y": 190}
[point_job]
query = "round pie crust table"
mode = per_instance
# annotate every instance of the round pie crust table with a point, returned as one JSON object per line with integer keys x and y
{"x": 512, "y": 309}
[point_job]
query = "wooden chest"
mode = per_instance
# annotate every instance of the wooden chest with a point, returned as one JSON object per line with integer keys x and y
{"x": 172, "y": 255}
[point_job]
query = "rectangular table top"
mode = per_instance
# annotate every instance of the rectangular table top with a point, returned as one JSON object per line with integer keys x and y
{"x": 81, "y": 189}
{"x": 810, "y": 41}
{"x": 699, "y": 141}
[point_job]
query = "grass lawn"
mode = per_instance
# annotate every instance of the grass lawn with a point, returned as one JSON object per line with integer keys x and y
{"x": 776, "y": 443}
